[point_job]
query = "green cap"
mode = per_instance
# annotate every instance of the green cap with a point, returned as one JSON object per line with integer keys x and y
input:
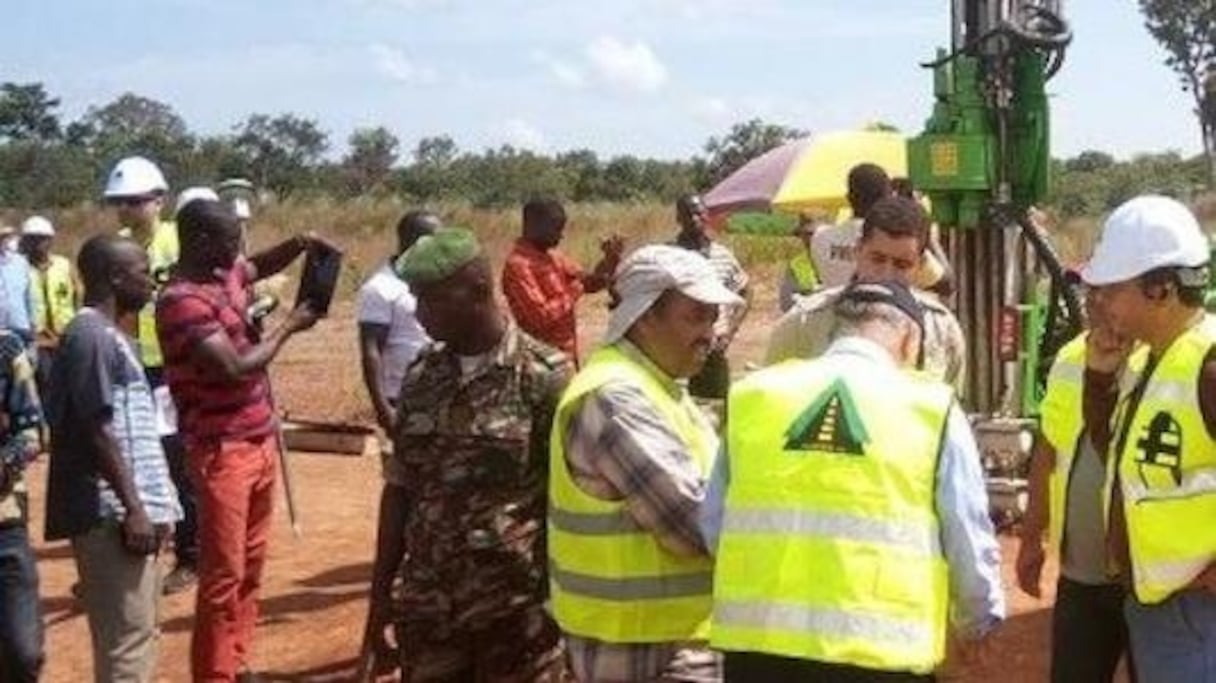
{"x": 438, "y": 256}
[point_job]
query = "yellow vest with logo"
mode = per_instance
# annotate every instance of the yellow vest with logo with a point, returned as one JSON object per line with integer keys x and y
{"x": 54, "y": 295}
{"x": 806, "y": 280}
{"x": 1167, "y": 472}
{"x": 163, "y": 252}
{"x": 830, "y": 548}
{"x": 1061, "y": 422}
{"x": 610, "y": 579}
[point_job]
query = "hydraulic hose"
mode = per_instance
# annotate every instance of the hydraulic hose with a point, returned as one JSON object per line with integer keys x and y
{"x": 1064, "y": 312}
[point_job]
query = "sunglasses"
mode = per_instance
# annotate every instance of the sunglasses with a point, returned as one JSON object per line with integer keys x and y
{"x": 132, "y": 201}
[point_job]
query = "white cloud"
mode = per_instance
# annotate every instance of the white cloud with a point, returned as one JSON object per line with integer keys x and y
{"x": 395, "y": 64}
{"x": 714, "y": 111}
{"x": 523, "y": 135}
{"x": 562, "y": 71}
{"x": 630, "y": 67}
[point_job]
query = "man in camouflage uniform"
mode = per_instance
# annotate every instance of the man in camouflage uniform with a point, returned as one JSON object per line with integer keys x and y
{"x": 462, "y": 515}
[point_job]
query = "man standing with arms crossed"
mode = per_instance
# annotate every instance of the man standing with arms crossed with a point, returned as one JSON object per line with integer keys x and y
{"x": 630, "y": 575}
{"x": 216, "y": 366}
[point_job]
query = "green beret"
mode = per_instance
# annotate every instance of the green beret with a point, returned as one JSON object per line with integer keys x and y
{"x": 438, "y": 256}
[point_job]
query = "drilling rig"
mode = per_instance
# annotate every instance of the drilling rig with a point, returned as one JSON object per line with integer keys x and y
{"x": 984, "y": 162}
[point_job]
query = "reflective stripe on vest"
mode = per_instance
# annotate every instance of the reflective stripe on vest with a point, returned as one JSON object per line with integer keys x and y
{"x": 830, "y": 545}
{"x": 610, "y": 579}
{"x": 54, "y": 293}
{"x": 1167, "y": 471}
{"x": 803, "y": 272}
{"x": 1061, "y": 422}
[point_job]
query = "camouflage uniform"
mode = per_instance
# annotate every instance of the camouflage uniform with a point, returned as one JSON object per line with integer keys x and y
{"x": 471, "y": 452}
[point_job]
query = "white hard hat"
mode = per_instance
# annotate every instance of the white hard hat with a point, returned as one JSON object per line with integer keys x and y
{"x": 192, "y": 193}
{"x": 37, "y": 226}
{"x": 135, "y": 177}
{"x": 1144, "y": 234}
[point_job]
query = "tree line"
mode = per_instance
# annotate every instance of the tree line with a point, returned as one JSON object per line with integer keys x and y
{"x": 46, "y": 162}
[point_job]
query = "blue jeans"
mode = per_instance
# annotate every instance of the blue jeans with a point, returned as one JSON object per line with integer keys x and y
{"x": 20, "y": 614}
{"x": 1174, "y": 641}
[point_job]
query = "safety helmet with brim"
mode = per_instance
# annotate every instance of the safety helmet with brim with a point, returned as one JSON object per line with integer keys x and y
{"x": 134, "y": 179}
{"x": 1145, "y": 234}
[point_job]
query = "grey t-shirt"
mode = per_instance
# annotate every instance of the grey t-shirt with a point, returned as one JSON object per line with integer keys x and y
{"x": 1084, "y": 553}
{"x": 97, "y": 374}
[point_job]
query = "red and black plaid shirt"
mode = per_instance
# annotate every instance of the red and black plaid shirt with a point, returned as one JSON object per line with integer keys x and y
{"x": 212, "y": 408}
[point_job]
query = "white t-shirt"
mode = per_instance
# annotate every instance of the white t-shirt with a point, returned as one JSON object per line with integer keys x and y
{"x": 386, "y": 300}
{"x": 833, "y": 250}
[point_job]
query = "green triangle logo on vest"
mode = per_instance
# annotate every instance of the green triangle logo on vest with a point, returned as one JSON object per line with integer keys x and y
{"x": 830, "y": 424}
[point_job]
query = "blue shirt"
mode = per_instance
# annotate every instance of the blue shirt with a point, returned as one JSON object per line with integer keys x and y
{"x": 16, "y": 295}
{"x": 968, "y": 540}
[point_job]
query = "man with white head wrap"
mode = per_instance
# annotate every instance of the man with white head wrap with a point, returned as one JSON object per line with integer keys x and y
{"x": 631, "y": 579}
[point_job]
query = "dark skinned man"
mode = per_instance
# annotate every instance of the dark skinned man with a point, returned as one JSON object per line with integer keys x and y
{"x": 713, "y": 381}
{"x": 109, "y": 487}
{"x": 390, "y": 335}
{"x": 216, "y": 363}
{"x": 543, "y": 286}
{"x": 470, "y": 453}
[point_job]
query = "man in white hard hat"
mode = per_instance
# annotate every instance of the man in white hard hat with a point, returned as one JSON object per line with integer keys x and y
{"x": 136, "y": 189}
{"x": 1148, "y": 276}
{"x": 55, "y": 289}
{"x": 631, "y": 578}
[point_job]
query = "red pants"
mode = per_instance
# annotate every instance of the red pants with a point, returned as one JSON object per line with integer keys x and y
{"x": 234, "y": 482}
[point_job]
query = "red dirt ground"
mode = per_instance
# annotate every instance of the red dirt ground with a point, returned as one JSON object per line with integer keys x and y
{"x": 314, "y": 597}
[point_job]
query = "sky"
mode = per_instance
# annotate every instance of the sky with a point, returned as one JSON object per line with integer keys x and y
{"x": 653, "y": 78}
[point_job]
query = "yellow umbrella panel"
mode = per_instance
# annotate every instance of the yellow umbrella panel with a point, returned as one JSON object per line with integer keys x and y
{"x": 818, "y": 179}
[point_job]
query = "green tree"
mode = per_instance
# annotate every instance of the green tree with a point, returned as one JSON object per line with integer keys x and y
{"x": 368, "y": 165}
{"x": 745, "y": 142}
{"x": 134, "y": 125}
{"x": 282, "y": 151}
{"x": 1187, "y": 31}
{"x": 27, "y": 112}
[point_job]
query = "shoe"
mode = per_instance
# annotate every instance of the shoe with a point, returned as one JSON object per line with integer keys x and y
{"x": 182, "y": 578}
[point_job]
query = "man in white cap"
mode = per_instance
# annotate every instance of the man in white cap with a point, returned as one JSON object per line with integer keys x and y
{"x": 55, "y": 289}
{"x": 848, "y": 514}
{"x": 136, "y": 189}
{"x": 1148, "y": 275}
{"x": 631, "y": 579}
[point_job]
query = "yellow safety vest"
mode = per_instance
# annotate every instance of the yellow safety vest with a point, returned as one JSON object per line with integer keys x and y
{"x": 163, "y": 252}
{"x": 830, "y": 545}
{"x": 1061, "y": 422}
{"x": 610, "y": 579}
{"x": 806, "y": 280}
{"x": 54, "y": 295}
{"x": 1167, "y": 471}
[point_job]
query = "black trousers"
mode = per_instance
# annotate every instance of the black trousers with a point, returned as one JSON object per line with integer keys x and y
{"x": 185, "y": 532}
{"x": 749, "y": 667}
{"x": 1088, "y": 633}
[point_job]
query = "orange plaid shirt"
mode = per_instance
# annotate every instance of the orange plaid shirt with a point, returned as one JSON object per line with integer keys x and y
{"x": 542, "y": 290}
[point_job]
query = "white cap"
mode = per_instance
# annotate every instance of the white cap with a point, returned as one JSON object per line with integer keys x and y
{"x": 1144, "y": 234}
{"x": 192, "y": 193}
{"x": 37, "y": 226}
{"x": 135, "y": 177}
{"x": 652, "y": 270}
